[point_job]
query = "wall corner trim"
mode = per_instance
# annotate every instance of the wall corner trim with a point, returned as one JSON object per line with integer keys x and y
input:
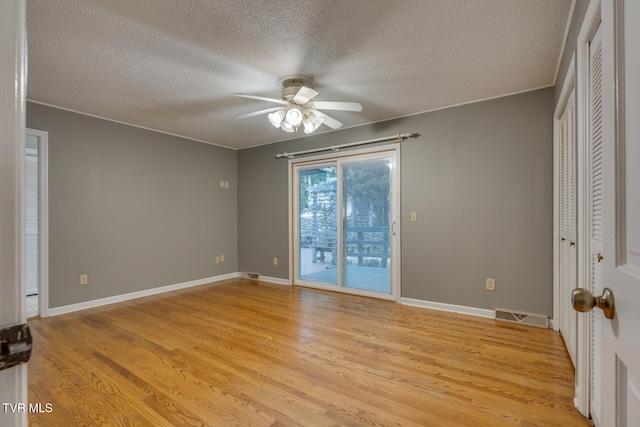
{"x": 452, "y": 308}
{"x": 139, "y": 294}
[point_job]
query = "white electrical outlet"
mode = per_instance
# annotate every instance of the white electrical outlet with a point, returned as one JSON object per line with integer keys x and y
{"x": 221, "y": 184}
{"x": 84, "y": 279}
{"x": 414, "y": 216}
{"x": 275, "y": 261}
{"x": 221, "y": 258}
{"x": 491, "y": 284}
{"x": 217, "y": 260}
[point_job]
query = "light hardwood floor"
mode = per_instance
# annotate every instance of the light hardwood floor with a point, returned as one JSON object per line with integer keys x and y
{"x": 252, "y": 354}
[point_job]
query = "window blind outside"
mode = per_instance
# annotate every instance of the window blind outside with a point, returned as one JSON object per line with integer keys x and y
{"x": 31, "y": 223}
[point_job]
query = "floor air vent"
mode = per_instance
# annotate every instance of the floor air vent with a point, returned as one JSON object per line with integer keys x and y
{"x": 521, "y": 317}
{"x": 254, "y": 276}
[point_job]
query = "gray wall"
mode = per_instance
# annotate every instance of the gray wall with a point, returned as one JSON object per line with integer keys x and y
{"x": 579, "y": 12}
{"x": 480, "y": 179}
{"x": 136, "y": 209}
{"x": 132, "y": 208}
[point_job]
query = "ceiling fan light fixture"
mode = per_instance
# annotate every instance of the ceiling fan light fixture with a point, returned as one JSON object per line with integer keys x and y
{"x": 294, "y": 115}
{"x": 277, "y": 117}
{"x": 312, "y": 123}
{"x": 297, "y": 107}
{"x": 287, "y": 127}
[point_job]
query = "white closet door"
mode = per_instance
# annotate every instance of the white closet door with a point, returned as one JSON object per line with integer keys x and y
{"x": 568, "y": 256}
{"x": 595, "y": 146}
{"x": 619, "y": 348}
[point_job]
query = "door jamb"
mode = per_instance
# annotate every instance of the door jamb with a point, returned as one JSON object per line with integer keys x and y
{"x": 43, "y": 220}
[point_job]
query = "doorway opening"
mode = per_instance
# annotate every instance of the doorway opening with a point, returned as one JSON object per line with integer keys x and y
{"x": 36, "y": 231}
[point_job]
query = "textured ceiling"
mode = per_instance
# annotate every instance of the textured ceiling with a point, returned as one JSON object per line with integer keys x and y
{"x": 174, "y": 65}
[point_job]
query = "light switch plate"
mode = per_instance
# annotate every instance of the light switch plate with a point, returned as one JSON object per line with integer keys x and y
{"x": 491, "y": 284}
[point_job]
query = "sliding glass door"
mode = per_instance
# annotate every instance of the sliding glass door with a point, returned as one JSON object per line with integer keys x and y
{"x": 344, "y": 219}
{"x": 366, "y": 224}
{"x": 318, "y": 223}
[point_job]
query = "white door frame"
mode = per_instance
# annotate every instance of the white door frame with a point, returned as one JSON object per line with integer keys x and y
{"x": 43, "y": 218}
{"x": 13, "y": 85}
{"x": 396, "y": 227}
{"x": 581, "y": 382}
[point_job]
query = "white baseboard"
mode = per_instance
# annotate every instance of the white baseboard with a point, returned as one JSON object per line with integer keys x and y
{"x": 452, "y": 308}
{"x": 276, "y": 280}
{"x": 133, "y": 295}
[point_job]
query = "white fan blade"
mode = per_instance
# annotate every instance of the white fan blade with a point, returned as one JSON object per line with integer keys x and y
{"x": 304, "y": 95}
{"x": 336, "y": 105}
{"x": 257, "y": 113}
{"x": 262, "y": 98}
{"x": 329, "y": 121}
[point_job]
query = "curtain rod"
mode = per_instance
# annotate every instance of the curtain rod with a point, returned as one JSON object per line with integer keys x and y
{"x": 397, "y": 138}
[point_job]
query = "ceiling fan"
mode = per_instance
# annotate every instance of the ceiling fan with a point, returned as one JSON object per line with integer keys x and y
{"x": 297, "y": 108}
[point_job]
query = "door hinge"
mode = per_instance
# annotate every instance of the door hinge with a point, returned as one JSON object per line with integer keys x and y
{"x": 15, "y": 345}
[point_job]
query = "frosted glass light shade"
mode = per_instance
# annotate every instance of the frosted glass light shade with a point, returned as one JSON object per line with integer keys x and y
{"x": 312, "y": 123}
{"x": 276, "y": 118}
{"x": 287, "y": 127}
{"x": 294, "y": 115}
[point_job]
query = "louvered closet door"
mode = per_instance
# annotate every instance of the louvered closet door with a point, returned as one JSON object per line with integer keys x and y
{"x": 595, "y": 213}
{"x": 562, "y": 321}
{"x": 568, "y": 259}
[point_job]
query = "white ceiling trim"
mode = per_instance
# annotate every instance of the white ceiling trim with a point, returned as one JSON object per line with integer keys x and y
{"x": 564, "y": 41}
{"x": 446, "y": 107}
{"x": 302, "y": 135}
{"x": 127, "y": 124}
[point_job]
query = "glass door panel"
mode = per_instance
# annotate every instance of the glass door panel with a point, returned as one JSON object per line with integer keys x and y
{"x": 318, "y": 224}
{"x": 343, "y": 226}
{"x": 366, "y": 225}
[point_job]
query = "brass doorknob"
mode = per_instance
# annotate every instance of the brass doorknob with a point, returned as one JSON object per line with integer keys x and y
{"x": 584, "y": 301}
